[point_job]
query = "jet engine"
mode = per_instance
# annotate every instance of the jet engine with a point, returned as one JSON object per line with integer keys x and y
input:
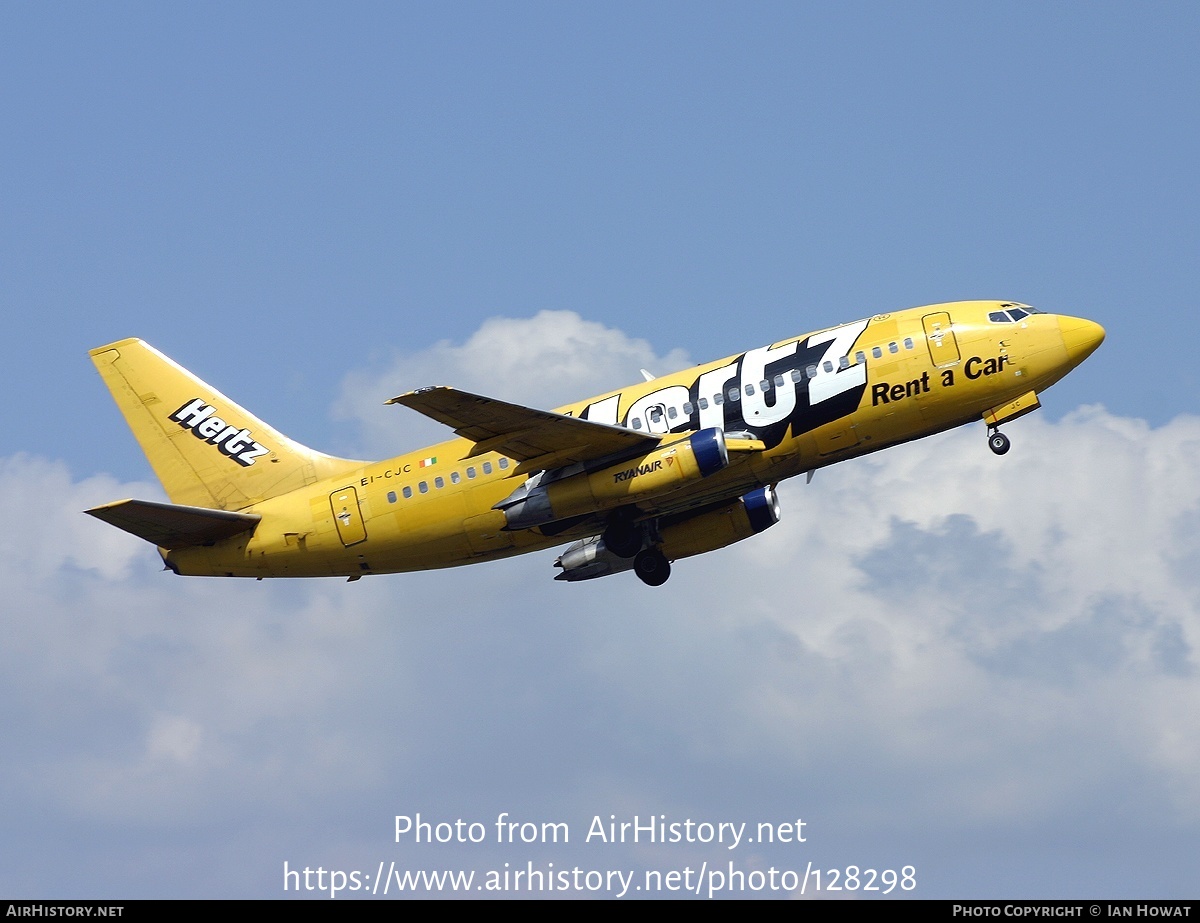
{"x": 550, "y": 496}
{"x": 695, "y": 534}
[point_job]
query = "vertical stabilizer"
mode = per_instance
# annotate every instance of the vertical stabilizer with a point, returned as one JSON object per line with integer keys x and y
{"x": 206, "y": 450}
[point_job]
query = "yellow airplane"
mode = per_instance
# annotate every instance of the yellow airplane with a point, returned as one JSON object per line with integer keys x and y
{"x": 633, "y": 479}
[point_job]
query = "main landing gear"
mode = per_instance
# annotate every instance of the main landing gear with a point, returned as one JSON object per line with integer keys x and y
{"x": 652, "y": 566}
{"x": 998, "y": 442}
{"x": 622, "y": 537}
{"x": 628, "y": 539}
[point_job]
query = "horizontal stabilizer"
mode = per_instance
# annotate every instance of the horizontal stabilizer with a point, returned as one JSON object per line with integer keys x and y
{"x": 523, "y": 433}
{"x": 169, "y": 525}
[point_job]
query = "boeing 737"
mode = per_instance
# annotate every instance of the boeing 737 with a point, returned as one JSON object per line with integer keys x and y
{"x": 631, "y": 480}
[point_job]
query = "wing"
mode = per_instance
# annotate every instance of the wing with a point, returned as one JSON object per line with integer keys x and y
{"x": 170, "y": 525}
{"x": 538, "y": 439}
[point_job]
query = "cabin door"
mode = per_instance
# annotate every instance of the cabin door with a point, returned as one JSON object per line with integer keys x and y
{"x": 939, "y": 337}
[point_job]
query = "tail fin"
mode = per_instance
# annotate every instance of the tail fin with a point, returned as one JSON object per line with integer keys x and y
{"x": 206, "y": 450}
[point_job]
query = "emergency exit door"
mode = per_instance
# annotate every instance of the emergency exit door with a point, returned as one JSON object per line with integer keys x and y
{"x": 348, "y": 516}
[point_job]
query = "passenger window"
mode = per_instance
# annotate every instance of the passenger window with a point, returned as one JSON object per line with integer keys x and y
{"x": 734, "y": 394}
{"x": 487, "y": 467}
{"x": 749, "y": 389}
{"x": 764, "y": 386}
{"x": 718, "y": 399}
{"x": 811, "y": 371}
{"x": 438, "y": 482}
{"x": 503, "y": 462}
{"x": 407, "y": 493}
{"x": 908, "y": 343}
{"x": 471, "y": 473}
{"x": 391, "y": 496}
{"x": 672, "y": 412}
{"x": 455, "y": 477}
{"x": 779, "y": 381}
{"x": 893, "y": 348}
{"x": 877, "y": 352}
{"x": 637, "y": 422}
{"x": 703, "y": 402}
{"x": 797, "y": 375}
{"x": 688, "y": 409}
{"x": 423, "y": 487}
{"x": 844, "y": 362}
{"x": 655, "y": 414}
{"x": 860, "y": 357}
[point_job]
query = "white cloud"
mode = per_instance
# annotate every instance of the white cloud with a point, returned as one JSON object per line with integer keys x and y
{"x": 544, "y": 361}
{"x": 174, "y": 738}
{"x": 44, "y": 530}
{"x": 935, "y": 644}
{"x": 959, "y": 602}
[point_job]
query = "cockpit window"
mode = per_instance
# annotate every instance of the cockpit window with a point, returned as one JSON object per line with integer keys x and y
{"x": 1012, "y": 314}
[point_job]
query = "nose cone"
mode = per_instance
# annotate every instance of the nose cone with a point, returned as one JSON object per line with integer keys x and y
{"x": 1080, "y": 337}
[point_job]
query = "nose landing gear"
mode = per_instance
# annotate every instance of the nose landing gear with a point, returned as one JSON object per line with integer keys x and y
{"x": 1002, "y": 413}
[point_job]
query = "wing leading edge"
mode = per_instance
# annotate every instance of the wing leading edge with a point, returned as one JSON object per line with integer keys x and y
{"x": 538, "y": 439}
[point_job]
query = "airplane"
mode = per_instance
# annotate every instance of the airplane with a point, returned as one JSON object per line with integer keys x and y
{"x": 634, "y": 479}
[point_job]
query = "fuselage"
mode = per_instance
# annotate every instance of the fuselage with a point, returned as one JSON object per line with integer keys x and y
{"x": 811, "y": 401}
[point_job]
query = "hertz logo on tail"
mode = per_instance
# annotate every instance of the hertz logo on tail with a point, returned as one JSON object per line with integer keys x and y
{"x": 200, "y": 418}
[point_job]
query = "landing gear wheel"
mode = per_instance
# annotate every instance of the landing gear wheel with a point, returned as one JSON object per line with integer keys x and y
{"x": 652, "y": 567}
{"x": 622, "y": 538}
{"x": 999, "y": 443}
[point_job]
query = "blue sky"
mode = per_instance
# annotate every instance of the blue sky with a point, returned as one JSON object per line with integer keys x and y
{"x": 981, "y": 667}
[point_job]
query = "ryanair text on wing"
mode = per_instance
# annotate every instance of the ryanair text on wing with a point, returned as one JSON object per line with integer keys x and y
{"x": 236, "y": 443}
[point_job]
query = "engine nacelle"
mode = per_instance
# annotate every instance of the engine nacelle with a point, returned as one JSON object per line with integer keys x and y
{"x": 746, "y": 516}
{"x": 587, "y": 559}
{"x": 542, "y": 500}
{"x": 749, "y": 515}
